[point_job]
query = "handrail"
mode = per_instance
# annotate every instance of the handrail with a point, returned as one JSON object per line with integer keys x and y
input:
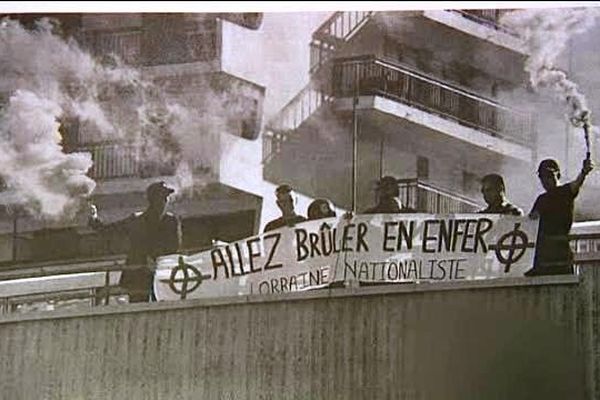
{"x": 420, "y": 183}
{"x": 338, "y": 28}
{"x": 299, "y": 108}
{"x": 350, "y": 20}
{"x": 481, "y": 17}
{"x": 428, "y": 198}
{"x": 400, "y": 67}
{"x": 378, "y": 77}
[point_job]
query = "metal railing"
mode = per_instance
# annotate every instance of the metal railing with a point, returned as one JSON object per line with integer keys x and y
{"x": 113, "y": 160}
{"x": 489, "y": 18}
{"x": 337, "y": 29}
{"x": 126, "y": 45}
{"x": 291, "y": 116}
{"x": 372, "y": 76}
{"x": 427, "y": 198}
{"x": 122, "y": 160}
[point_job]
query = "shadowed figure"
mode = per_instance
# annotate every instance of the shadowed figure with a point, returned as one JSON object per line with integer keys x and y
{"x": 286, "y": 202}
{"x": 388, "y": 201}
{"x": 151, "y": 233}
{"x": 554, "y": 208}
{"x": 320, "y": 208}
{"x": 494, "y": 194}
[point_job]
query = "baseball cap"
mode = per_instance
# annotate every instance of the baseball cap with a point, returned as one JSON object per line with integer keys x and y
{"x": 549, "y": 165}
{"x": 158, "y": 189}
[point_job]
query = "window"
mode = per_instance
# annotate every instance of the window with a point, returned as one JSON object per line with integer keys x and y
{"x": 422, "y": 168}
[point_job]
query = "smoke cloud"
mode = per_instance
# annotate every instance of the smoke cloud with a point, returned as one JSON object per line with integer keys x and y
{"x": 49, "y": 80}
{"x": 545, "y": 34}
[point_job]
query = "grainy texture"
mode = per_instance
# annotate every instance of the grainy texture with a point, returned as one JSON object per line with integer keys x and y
{"x": 493, "y": 343}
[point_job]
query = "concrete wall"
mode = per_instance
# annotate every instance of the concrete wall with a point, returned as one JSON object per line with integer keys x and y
{"x": 530, "y": 339}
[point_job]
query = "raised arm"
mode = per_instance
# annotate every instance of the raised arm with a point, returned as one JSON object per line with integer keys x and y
{"x": 586, "y": 168}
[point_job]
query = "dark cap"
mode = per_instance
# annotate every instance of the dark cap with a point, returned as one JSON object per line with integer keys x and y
{"x": 549, "y": 165}
{"x": 158, "y": 189}
{"x": 387, "y": 181}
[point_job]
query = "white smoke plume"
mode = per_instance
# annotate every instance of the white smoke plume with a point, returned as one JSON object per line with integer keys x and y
{"x": 46, "y": 80}
{"x": 545, "y": 34}
{"x": 49, "y": 80}
{"x": 33, "y": 165}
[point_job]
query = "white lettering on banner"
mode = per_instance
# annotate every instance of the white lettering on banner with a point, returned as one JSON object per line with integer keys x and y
{"x": 369, "y": 248}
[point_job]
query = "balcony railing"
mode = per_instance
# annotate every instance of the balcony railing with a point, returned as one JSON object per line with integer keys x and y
{"x": 336, "y": 30}
{"x": 113, "y": 161}
{"x": 371, "y": 76}
{"x": 293, "y": 114}
{"x": 116, "y": 160}
{"x": 427, "y": 198}
{"x": 489, "y": 18}
{"x": 126, "y": 44}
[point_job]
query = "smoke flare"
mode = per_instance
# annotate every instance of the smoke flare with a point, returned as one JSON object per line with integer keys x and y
{"x": 49, "y": 80}
{"x": 545, "y": 33}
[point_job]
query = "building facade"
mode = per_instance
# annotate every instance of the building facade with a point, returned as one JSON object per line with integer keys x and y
{"x": 422, "y": 91}
{"x": 191, "y": 59}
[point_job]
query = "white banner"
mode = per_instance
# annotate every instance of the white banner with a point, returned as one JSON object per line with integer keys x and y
{"x": 390, "y": 248}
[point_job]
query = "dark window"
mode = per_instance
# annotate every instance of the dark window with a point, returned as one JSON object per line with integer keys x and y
{"x": 422, "y": 167}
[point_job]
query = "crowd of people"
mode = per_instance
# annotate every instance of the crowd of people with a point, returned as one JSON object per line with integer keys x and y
{"x": 554, "y": 208}
{"x": 155, "y": 232}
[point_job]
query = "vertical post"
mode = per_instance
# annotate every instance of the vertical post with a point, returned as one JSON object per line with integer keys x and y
{"x": 14, "y": 236}
{"x": 355, "y": 140}
{"x": 381, "y": 147}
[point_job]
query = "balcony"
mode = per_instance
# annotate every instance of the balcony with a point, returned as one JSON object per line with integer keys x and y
{"x": 126, "y": 44}
{"x": 113, "y": 160}
{"x": 334, "y": 32}
{"x": 427, "y": 198}
{"x": 489, "y": 18}
{"x": 369, "y": 76}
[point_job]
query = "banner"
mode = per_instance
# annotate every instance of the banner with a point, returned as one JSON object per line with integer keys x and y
{"x": 385, "y": 248}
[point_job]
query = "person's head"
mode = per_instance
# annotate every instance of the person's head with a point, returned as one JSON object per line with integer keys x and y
{"x": 320, "y": 208}
{"x": 285, "y": 199}
{"x": 549, "y": 173}
{"x": 157, "y": 194}
{"x": 493, "y": 189}
{"x": 387, "y": 188}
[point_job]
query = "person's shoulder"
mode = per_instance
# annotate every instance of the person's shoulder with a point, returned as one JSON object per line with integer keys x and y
{"x": 300, "y": 218}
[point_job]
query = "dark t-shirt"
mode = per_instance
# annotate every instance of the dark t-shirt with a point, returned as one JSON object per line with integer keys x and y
{"x": 281, "y": 222}
{"x": 148, "y": 239}
{"x": 505, "y": 209}
{"x": 553, "y": 252}
{"x": 555, "y": 208}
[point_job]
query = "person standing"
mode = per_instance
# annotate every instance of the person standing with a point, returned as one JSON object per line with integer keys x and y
{"x": 554, "y": 208}
{"x": 286, "y": 203}
{"x": 388, "y": 198}
{"x": 151, "y": 233}
{"x": 494, "y": 194}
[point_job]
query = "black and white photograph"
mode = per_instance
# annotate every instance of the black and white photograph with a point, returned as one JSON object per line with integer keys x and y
{"x": 303, "y": 200}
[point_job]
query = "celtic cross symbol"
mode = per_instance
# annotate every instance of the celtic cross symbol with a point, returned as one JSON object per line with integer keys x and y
{"x": 190, "y": 281}
{"x": 511, "y": 246}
